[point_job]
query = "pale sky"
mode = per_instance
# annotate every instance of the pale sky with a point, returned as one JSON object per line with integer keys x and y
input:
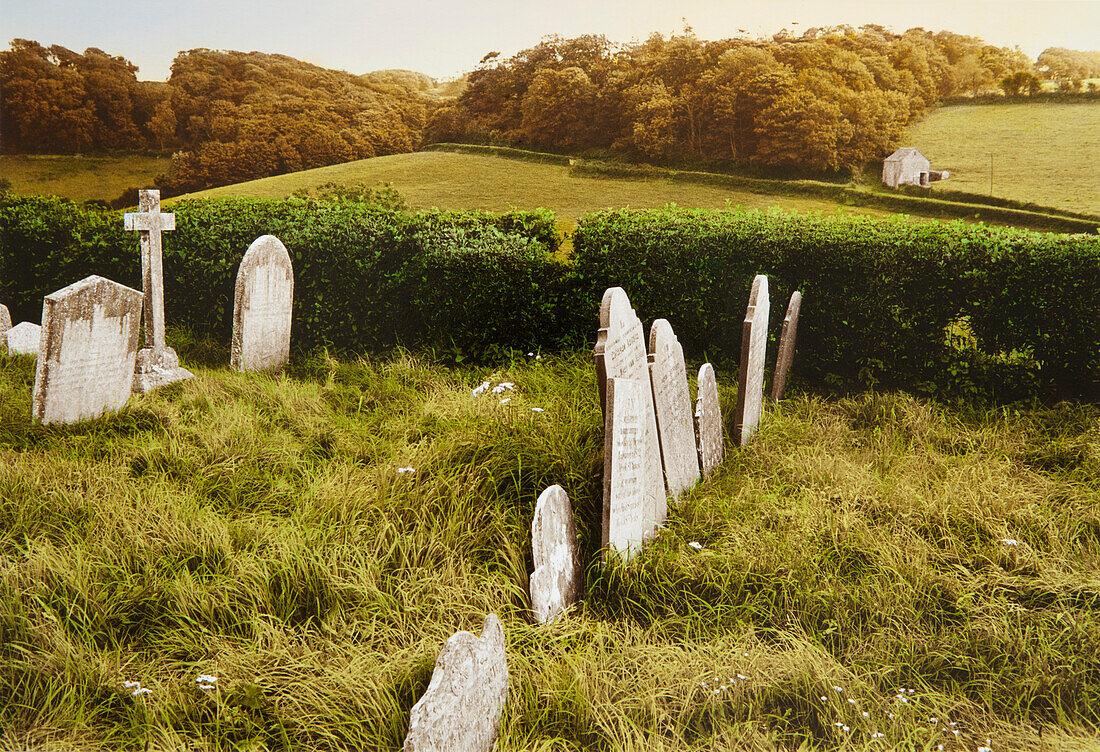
{"x": 447, "y": 38}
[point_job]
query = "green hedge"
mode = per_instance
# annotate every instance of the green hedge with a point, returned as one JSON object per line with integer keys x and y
{"x": 879, "y": 295}
{"x": 366, "y": 278}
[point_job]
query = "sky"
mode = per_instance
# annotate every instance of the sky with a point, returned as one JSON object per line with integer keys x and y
{"x": 446, "y": 38}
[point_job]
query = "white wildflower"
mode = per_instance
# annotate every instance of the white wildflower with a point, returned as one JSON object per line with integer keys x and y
{"x": 142, "y": 691}
{"x": 838, "y": 689}
{"x": 847, "y": 728}
{"x": 933, "y": 720}
{"x": 131, "y": 684}
{"x": 481, "y": 389}
{"x": 507, "y": 385}
{"x": 403, "y": 470}
{"x": 506, "y": 400}
{"x": 742, "y": 677}
{"x": 878, "y": 735}
{"x": 824, "y": 698}
{"x": 851, "y": 701}
{"x": 498, "y": 389}
{"x": 1010, "y": 541}
{"x": 537, "y": 410}
{"x": 696, "y": 545}
{"x": 866, "y": 714}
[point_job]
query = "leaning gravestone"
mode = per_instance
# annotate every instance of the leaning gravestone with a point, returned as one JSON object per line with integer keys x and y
{"x": 556, "y": 584}
{"x": 620, "y": 353}
{"x": 708, "y": 421}
{"x": 462, "y": 706}
{"x": 262, "y": 307}
{"x": 786, "y": 346}
{"x": 87, "y": 351}
{"x": 625, "y": 471}
{"x": 5, "y": 324}
{"x": 672, "y": 406}
{"x": 750, "y": 377}
{"x": 23, "y": 339}
{"x": 157, "y": 364}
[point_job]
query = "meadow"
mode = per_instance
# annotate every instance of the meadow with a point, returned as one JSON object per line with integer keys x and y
{"x": 1044, "y": 153}
{"x": 80, "y": 177}
{"x": 876, "y": 572}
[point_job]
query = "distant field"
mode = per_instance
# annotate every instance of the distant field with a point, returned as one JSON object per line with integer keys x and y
{"x": 470, "y": 181}
{"x": 80, "y": 177}
{"x": 1044, "y": 153}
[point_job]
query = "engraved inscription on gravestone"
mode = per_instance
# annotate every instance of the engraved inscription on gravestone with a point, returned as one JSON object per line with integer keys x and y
{"x": 786, "y": 346}
{"x": 157, "y": 364}
{"x": 624, "y": 467}
{"x": 750, "y": 377}
{"x": 672, "y": 406}
{"x": 557, "y": 582}
{"x": 463, "y": 704}
{"x": 262, "y": 307}
{"x": 23, "y": 338}
{"x": 620, "y": 353}
{"x": 87, "y": 351}
{"x": 708, "y": 420}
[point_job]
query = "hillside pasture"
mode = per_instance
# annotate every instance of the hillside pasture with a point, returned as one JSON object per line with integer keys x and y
{"x": 1045, "y": 153}
{"x": 80, "y": 177}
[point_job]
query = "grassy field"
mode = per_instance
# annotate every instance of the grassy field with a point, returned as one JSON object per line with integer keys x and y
{"x": 1043, "y": 153}
{"x": 80, "y": 177}
{"x": 870, "y": 565}
{"x": 470, "y": 181}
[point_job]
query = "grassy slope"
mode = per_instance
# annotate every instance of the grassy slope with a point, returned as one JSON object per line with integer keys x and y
{"x": 1044, "y": 153}
{"x": 256, "y": 528}
{"x": 80, "y": 177}
{"x": 469, "y": 181}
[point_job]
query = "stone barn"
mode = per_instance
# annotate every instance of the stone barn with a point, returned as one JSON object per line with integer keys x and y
{"x": 907, "y": 166}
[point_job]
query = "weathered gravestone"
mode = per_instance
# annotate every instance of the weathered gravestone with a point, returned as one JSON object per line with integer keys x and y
{"x": 708, "y": 420}
{"x": 157, "y": 364}
{"x": 750, "y": 377}
{"x": 262, "y": 307}
{"x": 786, "y": 346}
{"x": 625, "y": 521}
{"x": 557, "y": 582}
{"x": 620, "y": 353}
{"x": 672, "y": 406}
{"x": 87, "y": 351}
{"x": 23, "y": 339}
{"x": 5, "y": 324}
{"x": 462, "y": 706}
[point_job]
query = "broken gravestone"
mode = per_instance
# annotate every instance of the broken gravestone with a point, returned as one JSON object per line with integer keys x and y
{"x": 708, "y": 421}
{"x": 23, "y": 338}
{"x": 262, "y": 307}
{"x": 672, "y": 406}
{"x": 750, "y": 377}
{"x": 620, "y": 353}
{"x": 87, "y": 352}
{"x": 463, "y": 704}
{"x": 157, "y": 364}
{"x": 625, "y": 522}
{"x": 557, "y": 582}
{"x": 786, "y": 346}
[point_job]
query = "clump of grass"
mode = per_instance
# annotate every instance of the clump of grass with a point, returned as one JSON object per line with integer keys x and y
{"x": 312, "y": 539}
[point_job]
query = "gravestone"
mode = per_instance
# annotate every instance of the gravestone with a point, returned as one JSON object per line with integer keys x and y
{"x": 87, "y": 351}
{"x": 5, "y": 324}
{"x": 620, "y": 353}
{"x": 557, "y": 582}
{"x": 626, "y": 524}
{"x": 262, "y": 307}
{"x": 750, "y": 377}
{"x": 672, "y": 406}
{"x": 24, "y": 338}
{"x": 786, "y": 346}
{"x": 462, "y": 706}
{"x": 708, "y": 421}
{"x": 157, "y": 364}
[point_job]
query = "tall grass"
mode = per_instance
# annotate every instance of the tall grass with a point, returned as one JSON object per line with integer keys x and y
{"x": 257, "y": 528}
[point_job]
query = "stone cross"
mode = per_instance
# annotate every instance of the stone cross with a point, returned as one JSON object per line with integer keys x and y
{"x": 463, "y": 704}
{"x": 672, "y": 404}
{"x": 157, "y": 364}
{"x": 558, "y": 580}
{"x": 786, "y": 346}
{"x": 750, "y": 377}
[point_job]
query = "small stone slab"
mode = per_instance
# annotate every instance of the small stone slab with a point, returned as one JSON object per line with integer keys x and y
{"x": 708, "y": 421}
{"x": 786, "y": 346}
{"x": 620, "y": 353}
{"x": 462, "y": 707}
{"x": 5, "y": 324}
{"x": 557, "y": 582}
{"x": 750, "y": 377}
{"x": 262, "y": 307}
{"x": 23, "y": 339}
{"x": 672, "y": 405}
{"x": 626, "y": 524}
{"x": 88, "y": 347}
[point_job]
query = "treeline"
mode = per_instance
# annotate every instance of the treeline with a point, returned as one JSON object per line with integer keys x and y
{"x": 228, "y": 116}
{"x": 1069, "y": 68}
{"x": 829, "y": 99}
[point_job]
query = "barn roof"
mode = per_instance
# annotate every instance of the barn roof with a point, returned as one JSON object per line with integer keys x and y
{"x": 903, "y": 152}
